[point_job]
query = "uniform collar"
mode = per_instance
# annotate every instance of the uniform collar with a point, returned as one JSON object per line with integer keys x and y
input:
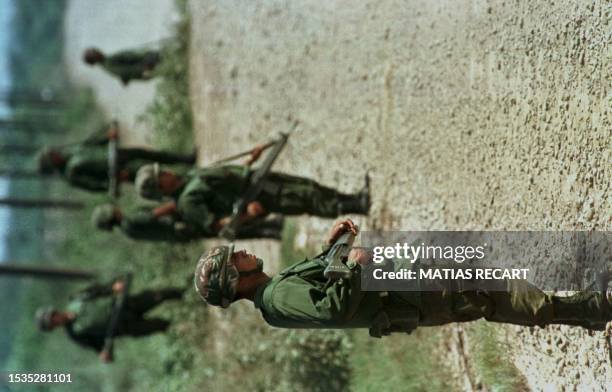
{"x": 259, "y": 293}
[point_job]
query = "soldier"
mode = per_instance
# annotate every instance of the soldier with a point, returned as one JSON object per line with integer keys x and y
{"x": 126, "y": 65}
{"x": 87, "y": 316}
{"x": 85, "y": 165}
{"x": 150, "y": 224}
{"x": 205, "y": 196}
{"x": 300, "y": 297}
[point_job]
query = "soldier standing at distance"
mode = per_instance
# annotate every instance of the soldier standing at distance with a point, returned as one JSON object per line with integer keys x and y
{"x": 87, "y": 316}
{"x": 300, "y": 297}
{"x": 149, "y": 224}
{"x": 85, "y": 165}
{"x": 205, "y": 197}
{"x": 126, "y": 65}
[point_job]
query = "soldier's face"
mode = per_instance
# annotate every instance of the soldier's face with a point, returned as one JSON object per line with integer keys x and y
{"x": 58, "y": 319}
{"x": 246, "y": 262}
{"x": 168, "y": 182}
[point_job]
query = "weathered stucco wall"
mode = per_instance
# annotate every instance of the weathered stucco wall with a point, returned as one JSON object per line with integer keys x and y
{"x": 469, "y": 114}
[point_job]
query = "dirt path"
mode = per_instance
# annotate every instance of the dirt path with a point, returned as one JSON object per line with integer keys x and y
{"x": 114, "y": 25}
{"x": 470, "y": 115}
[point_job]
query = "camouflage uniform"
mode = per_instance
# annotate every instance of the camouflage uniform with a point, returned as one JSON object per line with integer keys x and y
{"x": 141, "y": 224}
{"x": 87, "y": 162}
{"x": 132, "y": 64}
{"x": 210, "y": 194}
{"x": 300, "y": 297}
{"x": 93, "y": 309}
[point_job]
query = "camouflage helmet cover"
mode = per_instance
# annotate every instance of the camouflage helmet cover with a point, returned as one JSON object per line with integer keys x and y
{"x": 103, "y": 216}
{"x": 216, "y": 278}
{"x": 43, "y": 318}
{"x": 147, "y": 182}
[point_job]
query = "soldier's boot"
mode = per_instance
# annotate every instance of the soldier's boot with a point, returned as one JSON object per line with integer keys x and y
{"x": 358, "y": 203}
{"x": 588, "y": 309}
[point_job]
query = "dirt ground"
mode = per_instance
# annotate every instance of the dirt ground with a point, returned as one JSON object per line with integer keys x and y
{"x": 115, "y": 25}
{"x": 470, "y": 114}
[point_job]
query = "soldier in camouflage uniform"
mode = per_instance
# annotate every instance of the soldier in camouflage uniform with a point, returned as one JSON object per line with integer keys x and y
{"x": 126, "y": 65}
{"x": 205, "y": 197}
{"x": 300, "y": 297}
{"x": 85, "y": 164}
{"x": 146, "y": 223}
{"x": 87, "y": 316}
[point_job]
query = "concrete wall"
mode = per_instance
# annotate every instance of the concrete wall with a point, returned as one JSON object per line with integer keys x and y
{"x": 470, "y": 114}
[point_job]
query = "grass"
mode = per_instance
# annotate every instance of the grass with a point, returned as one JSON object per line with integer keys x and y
{"x": 170, "y": 112}
{"x": 490, "y": 359}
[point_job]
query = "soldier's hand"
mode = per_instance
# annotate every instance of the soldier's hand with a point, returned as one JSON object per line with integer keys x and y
{"x": 255, "y": 154}
{"x": 340, "y": 228}
{"x": 118, "y": 286}
{"x": 105, "y": 356}
{"x": 255, "y": 209}
{"x": 113, "y": 133}
{"x": 360, "y": 256}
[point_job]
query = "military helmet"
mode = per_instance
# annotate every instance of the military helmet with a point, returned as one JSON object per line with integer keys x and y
{"x": 216, "y": 278}
{"x": 147, "y": 182}
{"x": 103, "y": 216}
{"x": 45, "y": 162}
{"x": 44, "y": 317}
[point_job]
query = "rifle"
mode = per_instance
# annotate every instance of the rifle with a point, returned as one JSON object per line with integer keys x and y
{"x": 241, "y": 154}
{"x": 118, "y": 308}
{"x": 113, "y": 183}
{"x": 336, "y": 256}
{"x": 257, "y": 182}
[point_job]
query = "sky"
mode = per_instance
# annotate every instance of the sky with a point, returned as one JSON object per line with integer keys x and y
{"x": 5, "y": 82}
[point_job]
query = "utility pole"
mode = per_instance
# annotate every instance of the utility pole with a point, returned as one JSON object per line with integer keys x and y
{"x": 37, "y": 271}
{"x": 25, "y": 174}
{"x": 41, "y": 203}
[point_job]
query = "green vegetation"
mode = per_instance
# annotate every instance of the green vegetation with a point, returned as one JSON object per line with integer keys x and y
{"x": 170, "y": 112}
{"x": 491, "y": 361}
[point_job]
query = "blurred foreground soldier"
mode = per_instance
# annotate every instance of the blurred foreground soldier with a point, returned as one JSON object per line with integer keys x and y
{"x": 87, "y": 316}
{"x": 205, "y": 197}
{"x": 154, "y": 224}
{"x": 300, "y": 296}
{"x": 86, "y": 164}
{"x": 127, "y": 65}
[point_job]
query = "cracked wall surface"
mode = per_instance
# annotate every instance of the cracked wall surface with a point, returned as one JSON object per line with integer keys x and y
{"x": 478, "y": 114}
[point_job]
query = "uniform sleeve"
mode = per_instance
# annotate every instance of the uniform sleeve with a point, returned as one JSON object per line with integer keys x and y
{"x": 95, "y": 290}
{"x": 301, "y": 303}
{"x": 98, "y": 138}
{"x": 95, "y": 343}
{"x": 193, "y": 210}
{"x": 79, "y": 173}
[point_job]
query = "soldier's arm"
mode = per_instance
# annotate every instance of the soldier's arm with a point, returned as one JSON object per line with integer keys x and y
{"x": 79, "y": 174}
{"x": 165, "y": 209}
{"x": 254, "y": 210}
{"x": 95, "y": 290}
{"x": 99, "y": 137}
{"x": 92, "y": 342}
{"x": 297, "y": 301}
{"x": 193, "y": 210}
